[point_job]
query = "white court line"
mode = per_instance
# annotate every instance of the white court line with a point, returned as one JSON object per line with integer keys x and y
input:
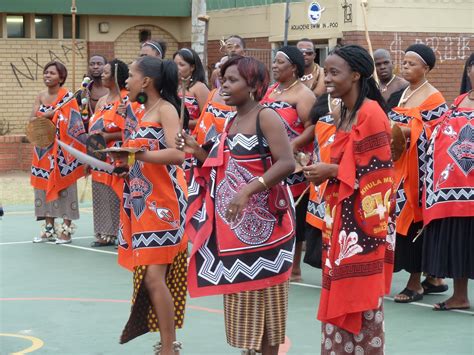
{"x": 19, "y": 213}
{"x": 30, "y": 242}
{"x": 292, "y": 283}
{"x": 388, "y": 298}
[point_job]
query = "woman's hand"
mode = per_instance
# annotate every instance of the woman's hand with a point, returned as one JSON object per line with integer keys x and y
{"x": 186, "y": 143}
{"x": 320, "y": 172}
{"x": 48, "y": 114}
{"x": 237, "y": 205}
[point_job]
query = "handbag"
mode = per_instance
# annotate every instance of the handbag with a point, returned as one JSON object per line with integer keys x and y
{"x": 278, "y": 197}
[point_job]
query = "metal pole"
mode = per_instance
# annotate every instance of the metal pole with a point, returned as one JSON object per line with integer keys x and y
{"x": 73, "y": 31}
{"x": 205, "y": 19}
{"x": 287, "y": 22}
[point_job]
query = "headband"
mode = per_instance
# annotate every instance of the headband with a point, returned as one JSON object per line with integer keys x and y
{"x": 286, "y": 56}
{"x": 187, "y": 50}
{"x": 157, "y": 47}
{"x": 419, "y": 56}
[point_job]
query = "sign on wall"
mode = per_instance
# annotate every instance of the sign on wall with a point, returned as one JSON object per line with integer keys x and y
{"x": 314, "y": 12}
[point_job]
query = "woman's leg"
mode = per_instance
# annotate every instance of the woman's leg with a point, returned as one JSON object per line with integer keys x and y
{"x": 160, "y": 296}
{"x": 459, "y": 299}
{"x": 268, "y": 349}
{"x": 413, "y": 284}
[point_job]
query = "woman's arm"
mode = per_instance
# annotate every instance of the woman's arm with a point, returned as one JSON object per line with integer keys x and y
{"x": 200, "y": 92}
{"x": 36, "y": 106}
{"x": 169, "y": 120}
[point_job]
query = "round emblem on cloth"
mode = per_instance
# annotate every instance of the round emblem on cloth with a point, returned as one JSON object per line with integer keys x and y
{"x": 282, "y": 203}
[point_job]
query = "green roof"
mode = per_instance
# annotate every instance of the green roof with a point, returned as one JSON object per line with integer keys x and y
{"x": 227, "y": 4}
{"x": 171, "y": 8}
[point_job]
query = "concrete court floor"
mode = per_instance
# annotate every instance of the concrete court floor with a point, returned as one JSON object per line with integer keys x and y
{"x": 75, "y": 300}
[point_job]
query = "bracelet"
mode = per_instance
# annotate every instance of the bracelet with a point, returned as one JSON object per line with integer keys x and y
{"x": 131, "y": 159}
{"x": 262, "y": 181}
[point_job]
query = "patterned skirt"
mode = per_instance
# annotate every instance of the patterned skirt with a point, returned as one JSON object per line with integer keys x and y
{"x": 250, "y": 314}
{"x": 66, "y": 206}
{"x": 106, "y": 208}
{"x": 143, "y": 318}
{"x": 370, "y": 340}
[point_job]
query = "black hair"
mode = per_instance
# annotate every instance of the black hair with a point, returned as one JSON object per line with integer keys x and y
{"x": 305, "y": 40}
{"x": 361, "y": 62}
{"x": 164, "y": 74}
{"x": 122, "y": 72}
{"x": 320, "y": 108}
{"x": 465, "y": 82}
{"x": 158, "y": 46}
{"x": 99, "y": 55}
{"x": 295, "y": 57}
{"x": 192, "y": 58}
{"x": 242, "y": 41}
{"x": 60, "y": 67}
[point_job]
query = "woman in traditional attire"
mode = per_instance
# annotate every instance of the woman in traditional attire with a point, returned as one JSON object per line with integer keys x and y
{"x": 54, "y": 172}
{"x": 153, "y": 48}
{"x": 192, "y": 74}
{"x": 322, "y": 115}
{"x": 448, "y": 214}
{"x": 358, "y": 230}
{"x": 418, "y": 111}
{"x": 152, "y": 242}
{"x": 240, "y": 248}
{"x": 293, "y": 102}
{"x": 109, "y": 124}
{"x": 213, "y": 117}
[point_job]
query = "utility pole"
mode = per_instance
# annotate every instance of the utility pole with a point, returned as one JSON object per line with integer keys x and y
{"x": 287, "y": 22}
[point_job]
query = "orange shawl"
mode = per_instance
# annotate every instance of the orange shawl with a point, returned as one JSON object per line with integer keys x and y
{"x": 411, "y": 167}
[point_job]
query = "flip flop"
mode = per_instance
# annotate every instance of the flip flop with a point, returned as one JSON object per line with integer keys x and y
{"x": 413, "y": 296}
{"x": 97, "y": 244}
{"x": 428, "y": 288}
{"x": 442, "y": 306}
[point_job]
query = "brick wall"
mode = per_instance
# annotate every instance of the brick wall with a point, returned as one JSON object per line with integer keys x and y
{"x": 127, "y": 45}
{"x": 15, "y": 153}
{"x": 451, "y": 49}
{"x": 103, "y": 48}
{"x": 21, "y": 74}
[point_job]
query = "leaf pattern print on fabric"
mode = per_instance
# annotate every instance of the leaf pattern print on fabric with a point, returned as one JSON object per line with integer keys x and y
{"x": 349, "y": 246}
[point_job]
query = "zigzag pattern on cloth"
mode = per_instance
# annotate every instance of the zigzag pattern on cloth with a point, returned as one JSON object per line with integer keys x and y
{"x": 182, "y": 201}
{"x": 317, "y": 209}
{"x": 217, "y": 112}
{"x": 277, "y": 105}
{"x": 435, "y": 113}
{"x": 246, "y": 142}
{"x": 155, "y": 239}
{"x": 65, "y": 168}
{"x": 150, "y": 133}
{"x": 295, "y": 178}
{"x": 398, "y": 117}
{"x": 422, "y": 148}
{"x": 39, "y": 172}
{"x": 240, "y": 267}
{"x": 400, "y": 200}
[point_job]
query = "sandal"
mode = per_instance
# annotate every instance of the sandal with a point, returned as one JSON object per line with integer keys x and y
{"x": 65, "y": 233}
{"x": 442, "y": 306}
{"x": 428, "y": 288}
{"x": 103, "y": 240}
{"x": 413, "y": 296}
{"x": 177, "y": 346}
{"x": 48, "y": 234}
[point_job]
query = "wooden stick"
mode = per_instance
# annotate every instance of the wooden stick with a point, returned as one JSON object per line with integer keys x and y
{"x": 364, "y": 4}
{"x": 73, "y": 37}
{"x": 301, "y": 196}
{"x": 205, "y": 19}
{"x": 184, "y": 123}
{"x": 83, "y": 194}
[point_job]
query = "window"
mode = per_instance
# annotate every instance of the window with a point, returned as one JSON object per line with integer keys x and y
{"x": 144, "y": 35}
{"x": 16, "y": 26}
{"x": 44, "y": 26}
{"x": 67, "y": 26}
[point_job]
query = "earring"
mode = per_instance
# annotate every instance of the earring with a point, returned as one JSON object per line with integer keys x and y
{"x": 142, "y": 97}
{"x": 252, "y": 96}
